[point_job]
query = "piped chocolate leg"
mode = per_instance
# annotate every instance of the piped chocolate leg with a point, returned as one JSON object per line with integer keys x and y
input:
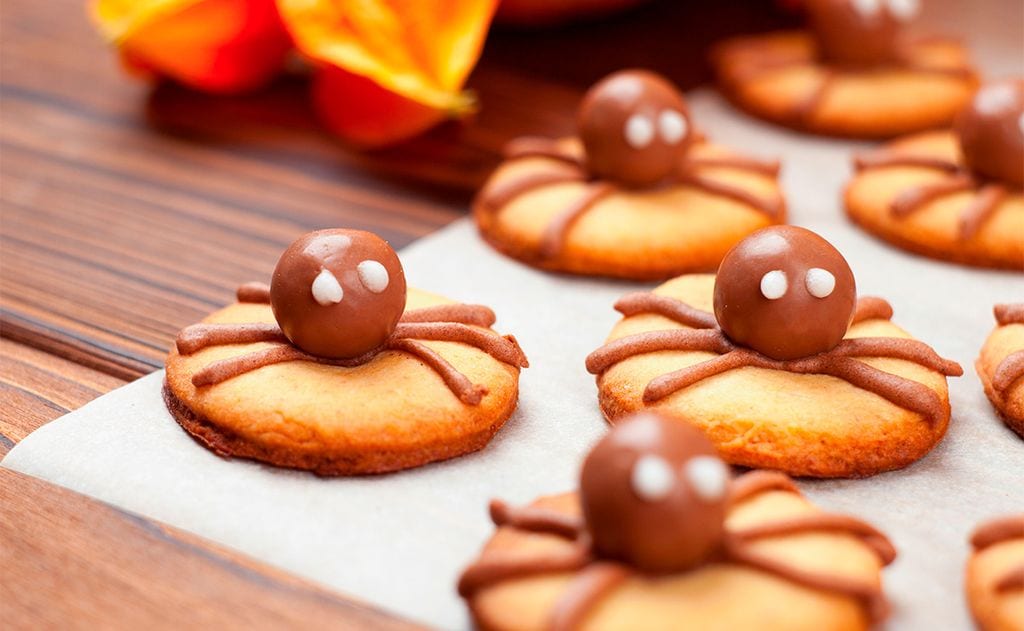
{"x": 504, "y": 349}
{"x": 234, "y": 366}
{"x": 554, "y": 235}
{"x": 253, "y": 292}
{"x": 770, "y": 168}
{"x": 1008, "y": 372}
{"x": 534, "y": 147}
{"x": 910, "y": 200}
{"x": 870, "y": 595}
{"x": 499, "y": 194}
{"x": 899, "y": 348}
{"x": 981, "y": 208}
{"x": 899, "y": 391}
{"x": 477, "y": 315}
{"x": 458, "y": 383}
{"x": 770, "y": 207}
{"x": 489, "y": 571}
{"x": 588, "y": 587}
{"x": 675, "y": 310}
{"x": 663, "y": 386}
{"x": 536, "y": 520}
{"x": 706, "y": 340}
{"x": 886, "y": 158}
{"x": 754, "y": 482}
{"x": 822, "y": 522}
{"x": 196, "y": 337}
{"x": 871, "y": 308}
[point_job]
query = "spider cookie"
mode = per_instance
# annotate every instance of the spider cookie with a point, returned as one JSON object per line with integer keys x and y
{"x": 956, "y": 195}
{"x": 637, "y": 195}
{"x": 995, "y": 575}
{"x": 339, "y": 369}
{"x": 1001, "y": 365}
{"x": 661, "y": 536}
{"x": 854, "y": 72}
{"x": 779, "y": 363}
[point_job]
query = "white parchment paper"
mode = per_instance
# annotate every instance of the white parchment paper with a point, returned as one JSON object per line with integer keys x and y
{"x": 400, "y": 540}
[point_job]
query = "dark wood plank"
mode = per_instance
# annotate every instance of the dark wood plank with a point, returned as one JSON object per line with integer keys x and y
{"x": 37, "y": 387}
{"x": 99, "y": 567}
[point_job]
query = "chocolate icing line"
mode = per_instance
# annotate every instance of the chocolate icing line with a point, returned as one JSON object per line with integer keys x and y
{"x": 1012, "y": 580}
{"x": 912, "y": 199}
{"x": 504, "y": 349}
{"x": 870, "y": 596}
{"x": 535, "y": 147}
{"x": 458, "y": 383}
{"x": 765, "y": 167}
{"x": 499, "y": 194}
{"x": 536, "y": 520}
{"x": 555, "y": 233}
{"x": 666, "y": 306}
{"x": 997, "y": 531}
{"x": 981, "y": 208}
{"x": 769, "y": 207}
{"x": 707, "y": 340}
{"x": 669, "y": 383}
{"x": 585, "y": 590}
{"x": 253, "y": 292}
{"x": 1008, "y": 372}
{"x": 871, "y": 308}
{"x": 889, "y": 158}
{"x": 1009, "y": 313}
{"x": 899, "y": 348}
{"x": 754, "y": 483}
{"x": 196, "y": 337}
{"x": 867, "y": 533}
{"x": 477, "y": 315}
{"x": 225, "y": 369}
{"x": 501, "y": 567}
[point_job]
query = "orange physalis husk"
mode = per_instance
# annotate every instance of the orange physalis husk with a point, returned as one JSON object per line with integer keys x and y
{"x": 388, "y": 70}
{"x": 212, "y": 45}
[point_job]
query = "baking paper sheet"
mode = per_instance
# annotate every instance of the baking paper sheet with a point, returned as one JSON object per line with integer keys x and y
{"x": 400, "y": 540}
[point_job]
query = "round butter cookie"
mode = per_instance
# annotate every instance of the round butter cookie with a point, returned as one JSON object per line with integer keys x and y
{"x": 1001, "y": 365}
{"x": 337, "y": 368}
{"x": 995, "y": 574}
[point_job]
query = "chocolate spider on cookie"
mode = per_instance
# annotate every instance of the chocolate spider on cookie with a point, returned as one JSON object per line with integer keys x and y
{"x": 639, "y": 194}
{"x": 660, "y": 535}
{"x": 957, "y": 194}
{"x": 337, "y": 368}
{"x": 779, "y": 363}
{"x": 854, "y": 72}
{"x": 1001, "y": 365}
{"x": 995, "y": 574}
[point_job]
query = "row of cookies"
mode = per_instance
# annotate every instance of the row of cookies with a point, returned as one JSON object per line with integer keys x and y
{"x": 339, "y": 368}
{"x": 641, "y": 193}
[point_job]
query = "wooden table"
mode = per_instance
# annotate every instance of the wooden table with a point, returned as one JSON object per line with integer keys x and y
{"x": 129, "y": 212}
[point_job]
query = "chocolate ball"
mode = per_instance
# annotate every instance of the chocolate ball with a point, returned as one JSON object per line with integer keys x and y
{"x": 991, "y": 132}
{"x": 635, "y": 128}
{"x": 860, "y": 32}
{"x": 338, "y": 293}
{"x": 785, "y": 292}
{"x": 654, "y": 494}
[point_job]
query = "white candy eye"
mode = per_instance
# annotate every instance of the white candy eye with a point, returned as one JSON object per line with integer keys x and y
{"x": 672, "y": 126}
{"x": 639, "y": 131}
{"x": 867, "y": 8}
{"x": 326, "y": 289}
{"x": 708, "y": 476}
{"x": 904, "y": 9}
{"x": 652, "y": 479}
{"x": 819, "y": 282}
{"x": 774, "y": 285}
{"x": 373, "y": 276}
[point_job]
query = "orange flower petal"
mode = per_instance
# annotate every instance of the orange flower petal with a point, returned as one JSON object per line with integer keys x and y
{"x": 214, "y": 45}
{"x": 420, "y": 50}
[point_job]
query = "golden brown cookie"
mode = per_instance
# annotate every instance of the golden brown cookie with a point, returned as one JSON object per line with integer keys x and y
{"x": 778, "y": 363}
{"x": 270, "y": 378}
{"x": 782, "y": 77}
{"x": 637, "y": 195}
{"x": 1001, "y": 365}
{"x": 955, "y": 195}
{"x": 660, "y": 536}
{"x": 995, "y": 575}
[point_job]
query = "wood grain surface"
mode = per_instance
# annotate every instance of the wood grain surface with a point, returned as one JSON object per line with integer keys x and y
{"x": 129, "y": 211}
